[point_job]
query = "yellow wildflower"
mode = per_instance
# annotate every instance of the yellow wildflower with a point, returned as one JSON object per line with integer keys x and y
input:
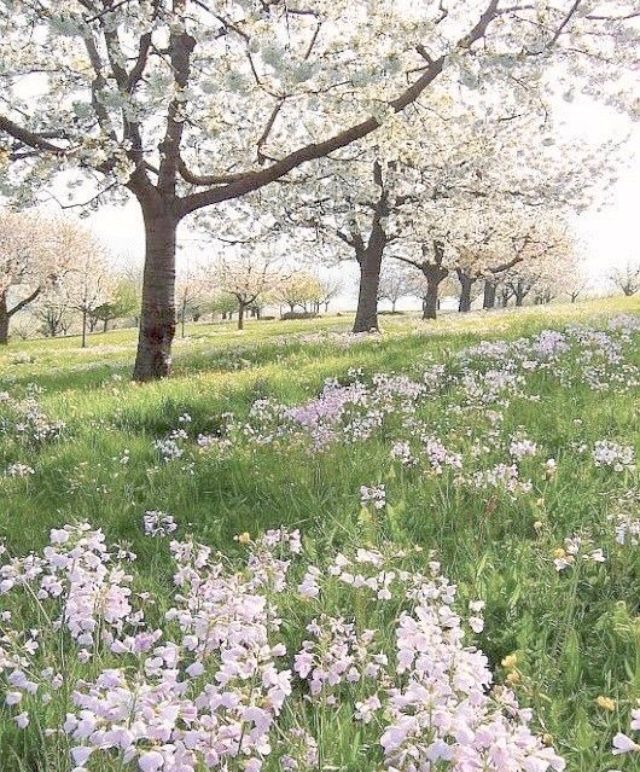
{"x": 606, "y": 703}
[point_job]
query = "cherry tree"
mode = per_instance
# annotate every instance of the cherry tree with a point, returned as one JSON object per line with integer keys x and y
{"x": 150, "y": 96}
{"x": 34, "y": 255}
{"x": 54, "y": 312}
{"x": 549, "y": 269}
{"x": 627, "y": 278}
{"x": 395, "y": 284}
{"x": 299, "y": 289}
{"x": 187, "y": 104}
{"x": 248, "y": 276}
{"x": 89, "y": 285}
{"x": 525, "y": 241}
{"x": 192, "y": 287}
{"x": 329, "y": 288}
{"x": 123, "y": 302}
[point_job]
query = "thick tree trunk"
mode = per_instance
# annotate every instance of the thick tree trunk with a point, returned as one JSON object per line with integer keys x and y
{"x": 370, "y": 262}
{"x": 4, "y": 320}
{"x": 435, "y": 274}
{"x": 466, "y": 283}
{"x": 105, "y": 326}
{"x": 84, "y": 329}
{"x": 430, "y": 301}
{"x": 241, "y": 316}
{"x": 158, "y": 317}
{"x": 489, "y": 297}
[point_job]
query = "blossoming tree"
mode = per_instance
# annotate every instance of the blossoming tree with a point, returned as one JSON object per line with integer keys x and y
{"x": 190, "y": 103}
{"x": 248, "y": 277}
{"x": 89, "y": 285}
{"x": 35, "y": 254}
{"x": 152, "y": 96}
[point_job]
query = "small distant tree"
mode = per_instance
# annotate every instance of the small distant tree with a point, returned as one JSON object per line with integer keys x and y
{"x": 88, "y": 285}
{"x": 191, "y": 291}
{"x": 394, "y": 284}
{"x": 576, "y": 286}
{"x": 298, "y": 290}
{"x": 223, "y": 304}
{"x": 54, "y": 312}
{"x": 248, "y": 277}
{"x": 330, "y": 288}
{"x": 124, "y": 302}
{"x": 34, "y": 255}
{"x": 627, "y": 278}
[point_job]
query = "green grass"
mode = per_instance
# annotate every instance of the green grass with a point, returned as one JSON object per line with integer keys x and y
{"x": 577, "y": 635}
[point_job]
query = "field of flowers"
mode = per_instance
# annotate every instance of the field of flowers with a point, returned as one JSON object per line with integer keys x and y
{"x": 315, "y": 551}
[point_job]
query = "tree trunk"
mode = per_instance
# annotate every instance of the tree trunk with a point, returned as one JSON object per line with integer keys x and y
{"x": 158, "y": 317}
{"x": 489, "y": 298}
{"x": 183, "y": 316}
{"x": 105, "y": 325}
{"x": 520, "y": 294}
{"x": 466, "y": 283}
{"x": 435, "y": 274}
{"x": 430, "y": 301}
{"x": 84, "y": 328}
{"x": 370, "y": 261}
{"x": 241, "y": 316}
{"x": 4, "y": 320}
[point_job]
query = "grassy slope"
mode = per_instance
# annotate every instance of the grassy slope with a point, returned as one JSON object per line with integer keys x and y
{"x": 578, "y": 638}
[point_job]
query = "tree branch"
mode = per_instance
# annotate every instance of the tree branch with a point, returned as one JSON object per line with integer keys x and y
{"x": 252, "y": 180}
{"x": 24, "y": 302}
{"x": 30, "y": 138}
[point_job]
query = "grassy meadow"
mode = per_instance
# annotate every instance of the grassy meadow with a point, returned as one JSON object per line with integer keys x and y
{"x": 434, "y": 446}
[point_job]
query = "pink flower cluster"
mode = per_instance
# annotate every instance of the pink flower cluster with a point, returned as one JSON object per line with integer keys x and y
{"x": 216, "y": 686}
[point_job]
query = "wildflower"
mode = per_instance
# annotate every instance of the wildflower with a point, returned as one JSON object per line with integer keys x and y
{"x": 243, "y": 538}
{"x": 624, "y": 744}
{"x": 156, "y": 523}
{"x": 510, "y": 661}
{"x": 375, "y": 495}
{"x": 611, "y": 454}
{"x": 19, "y": 470}
{"x": 606, "y": 703}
